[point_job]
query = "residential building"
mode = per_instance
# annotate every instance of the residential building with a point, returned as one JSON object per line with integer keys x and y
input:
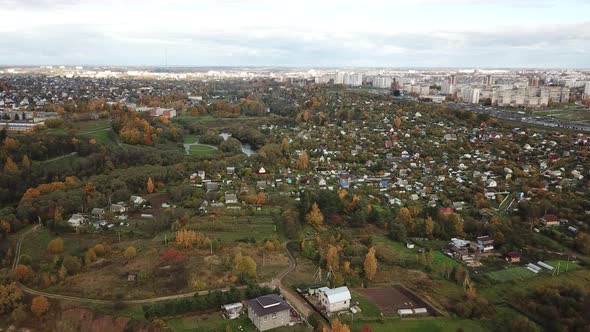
{"x": 447, "y": 88}
{"x": 334, "y": 299}
{"x": 268, "y": 312}
{"x": 339, "y": 78}
{"x": 382, "y": 82}
{"x": 470, "y": 95}
{"x": 587, "y": 90}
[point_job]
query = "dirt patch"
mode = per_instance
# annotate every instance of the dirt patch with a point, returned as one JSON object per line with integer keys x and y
{"x": 392, "y": 299}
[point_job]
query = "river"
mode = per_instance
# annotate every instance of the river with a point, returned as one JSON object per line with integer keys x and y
{"x": 247, "y": 149}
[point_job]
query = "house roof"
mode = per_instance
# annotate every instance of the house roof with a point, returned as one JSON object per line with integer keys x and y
{"x": 337, "y": 294}
{"x": 268, "y": 304}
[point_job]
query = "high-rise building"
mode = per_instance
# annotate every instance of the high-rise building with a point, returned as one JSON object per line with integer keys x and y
{"x": 470, "y": 95}
{"x": 353, "y": 79}
{"x": 534, "y": 81}
{"x": 339, "y": 78}
{"x": 453, "y": 80}
{"x": 587, "y": 90}
{"x": 447, "y": 88}
{"x": 488, "y": 80}
{"x": 382, "y": 82}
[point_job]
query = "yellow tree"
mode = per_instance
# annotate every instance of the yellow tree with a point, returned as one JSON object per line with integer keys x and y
{"x": 285, "y": 145}
{"x": 332, "y": 259}
{"x": 315, "y": 216}
{"x": 405, "y": 217}
{"x": 56, "y": 246}
{"x": 150, "y": 185}
{"x": 302, "y": 161}
{"x": 130, "y": 252}
{"x": 39, "y": 306}
{"x": 339, "y": 327}
{"x": 186, "y": 238}
{"x": 10, "y": 167}
{"x": 26, "y": 162}
{"x": 370, "y": 264}
{"x": 397, "y": 122}
{"x": 244, "y": 265}
{"x": 428, "y": 227}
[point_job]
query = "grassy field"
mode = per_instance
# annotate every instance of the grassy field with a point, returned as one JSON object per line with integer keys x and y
{"x": 513, "y": 273}
{"x": 229, "y": 228}
{"x": 189, "y": 139}
{"x": 577, "y": 114}
{"x": 201, "y": 150}
{"x": 421, "y": 325}
{"x": 215, "y": 322}
{"x": 102, "y": 136}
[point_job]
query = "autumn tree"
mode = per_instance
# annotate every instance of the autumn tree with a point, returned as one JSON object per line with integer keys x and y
{"x": 404, "y": 217}
{"x": 186, "y": 238}
{"x": 39, "y": 306}
{"x": 302, "y": 161}
{"x": 370, "y": 264}
{"x": 332, "y": 258}
{"x": 315, "y": 216}
{"x": 583, "y": 243}
{"x": 337, "y": 326}
{"x": 4, "y": 227}
{"x": 244, "y": 265}
{"x": 130, "y": 252}
{"x": 22, "y": 272}
{"x": 56, "y": 246}
{"x": 428, "y": 227}
{"x": 199, "y": 285}
{"x": 285, "y": 145}
{"x": 10, "y": 167}
{"x": 397, "y": 122}
{"x": 260, "y": 198}
{"x": 150, "y": 185}
{"x": 10, "y": 297}
{"x": 26, "y": 162}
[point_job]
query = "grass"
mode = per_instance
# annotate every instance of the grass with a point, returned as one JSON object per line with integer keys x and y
{"x": 189, "y": 139}
{"x": 513, "y": 273}
{"x": 230, "y": 229}
{"x": 104, "y": 136}
{"x": 421, "y": 325}
{"x": 368, "y": 308}
{"x": 201, "y": 150}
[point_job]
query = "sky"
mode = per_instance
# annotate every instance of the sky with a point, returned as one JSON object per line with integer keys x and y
{"x": 309, "y": 33}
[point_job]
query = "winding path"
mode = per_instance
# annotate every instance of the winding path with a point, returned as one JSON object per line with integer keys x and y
{"x": 293, "y": 298}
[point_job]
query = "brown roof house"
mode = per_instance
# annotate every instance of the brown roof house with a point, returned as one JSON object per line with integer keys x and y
{"x": 269, "y": 311}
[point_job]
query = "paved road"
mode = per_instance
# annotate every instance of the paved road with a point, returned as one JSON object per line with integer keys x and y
{"x": 293, "y": 298}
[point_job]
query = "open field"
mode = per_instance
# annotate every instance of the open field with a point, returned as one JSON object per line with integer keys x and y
{"x": 214, "y": 322}
{"x": 229, "y": 228}
{"x": 421, "y": 325}
{"x": 201, "y": 150}
{"x": 107, "y": 276}
{"x": 578, "y": 114}
{"x": 512, "y": 273}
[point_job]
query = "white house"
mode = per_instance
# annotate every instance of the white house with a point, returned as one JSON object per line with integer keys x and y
{"x": 335, "y": 299}
{"x": 76, "y": 220}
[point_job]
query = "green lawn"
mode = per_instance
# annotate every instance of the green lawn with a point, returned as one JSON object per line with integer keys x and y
{"x": 513, "y": 273}
{"x": 230, "y": 229}
{"x": 103, "y": 136}
{"x": 421, "y": 325}
{"x": 189, "y": 139}
{"x": 201, "y": 150}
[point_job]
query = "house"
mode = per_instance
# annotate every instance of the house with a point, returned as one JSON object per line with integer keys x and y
{"x": 485, "y": 243}
{"x": 231, "y": 199}
{"x": 334, "y": 299}
{"x": 550, "y": 220}
{"x": 232, "y": 310}
{"x": 76, "y": 220}
{"x": 118, "y": 208}
{"x": 513, "y": 257}
{"x": 230, "y": 170}
{"x": 268, "y": 312}
{"x": 97, "y": 212}
{"x": 137, "y": 200}
{"x": 212, "y": 186}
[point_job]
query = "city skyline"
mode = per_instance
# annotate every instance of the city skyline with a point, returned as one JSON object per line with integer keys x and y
{"x": 423, "y": 34}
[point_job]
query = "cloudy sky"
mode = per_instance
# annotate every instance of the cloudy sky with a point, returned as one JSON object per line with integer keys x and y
{"x": 416, "y": 33}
